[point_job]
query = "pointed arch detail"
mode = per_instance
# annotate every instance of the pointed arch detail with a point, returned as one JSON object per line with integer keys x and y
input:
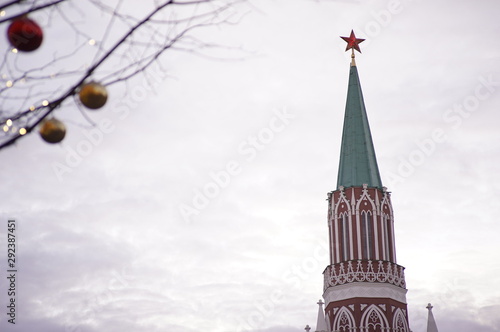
{"x": 342, "y": 200}
{"x": 344, "y": 321}
{"x": 345, "y": 236}
{"x": 367, "y": 238}
{"x": 374, "y": 320}
{"x": 399, "y": 323}
{"x": 340, "y": 221}
{"x": 387, "y": 202}
{"x": 365, "y": 196}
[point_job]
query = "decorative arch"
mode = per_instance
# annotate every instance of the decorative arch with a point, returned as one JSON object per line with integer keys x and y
{"x": 374, "y": 320}
{"x": 367, "y": 237}
{"x": 387, "y": 236}
{"x": 386, "y": 202}
{"x": 342, "y": 199}
{"x": 344, "y": 321}
{"x": 336, "y": 232}
{"x": 366, "y": 212}
{"x": 399, "y": 323}
{"x": 345, "y": 236}
{"x": 366, "y": 197}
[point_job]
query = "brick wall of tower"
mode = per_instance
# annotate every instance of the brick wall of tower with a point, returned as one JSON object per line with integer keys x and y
{"x": 361, "y": 225}
{"x": 367, "y": 315}
{"x": 364, "y": 287}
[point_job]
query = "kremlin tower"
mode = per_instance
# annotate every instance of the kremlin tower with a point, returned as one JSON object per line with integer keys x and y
{"x": 364, "y": 287}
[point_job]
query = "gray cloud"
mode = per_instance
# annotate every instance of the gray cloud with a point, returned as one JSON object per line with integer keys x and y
{"x": 107, "y": 249}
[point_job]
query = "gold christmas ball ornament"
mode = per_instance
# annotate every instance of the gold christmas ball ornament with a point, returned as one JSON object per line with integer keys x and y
{"x": 52, "y": 130}
{"x": 93, "y": 95}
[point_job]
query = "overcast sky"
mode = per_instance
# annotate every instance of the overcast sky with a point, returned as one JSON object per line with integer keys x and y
{"x": 200, "y": 204}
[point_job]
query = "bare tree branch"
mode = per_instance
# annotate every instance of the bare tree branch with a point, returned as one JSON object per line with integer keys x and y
{"x": 30, "y": 10}
{"x": 155, "y": 35}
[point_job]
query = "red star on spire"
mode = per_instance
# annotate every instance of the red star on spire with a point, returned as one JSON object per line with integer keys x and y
{"x": 352, "y": 42}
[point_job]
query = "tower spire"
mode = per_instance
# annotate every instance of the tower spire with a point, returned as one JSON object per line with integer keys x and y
{"x": 358, "y": 163}
{"x": 431, "y": 322}
{"x": 321, "y": 323}
{"x": 364, "y": 287}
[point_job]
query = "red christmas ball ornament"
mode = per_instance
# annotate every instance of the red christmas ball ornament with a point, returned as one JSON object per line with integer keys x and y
{"x": 25, "y": 34}
{"x": 52, "y": 130}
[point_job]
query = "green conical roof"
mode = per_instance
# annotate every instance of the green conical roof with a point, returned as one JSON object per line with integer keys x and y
{"x": 358, "y": 164}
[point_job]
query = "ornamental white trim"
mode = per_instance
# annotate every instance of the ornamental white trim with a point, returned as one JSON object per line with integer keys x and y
{"x": 364, "y": 271}
{"x": 386, "y": 200}
{"x": 364, "y": 197}
{"x": 366, "y": 290}
{"x": 342, "y": 200}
